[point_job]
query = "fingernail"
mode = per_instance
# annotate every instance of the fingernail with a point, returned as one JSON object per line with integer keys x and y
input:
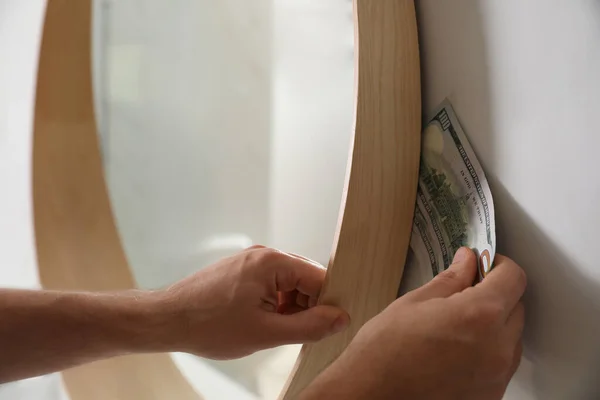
{"x": 340, "y": 324}
{"x": 460, "y": 255}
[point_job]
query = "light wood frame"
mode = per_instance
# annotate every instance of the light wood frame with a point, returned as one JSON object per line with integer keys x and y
{"x": 78, "y": 247}
{"x": 77, "y": 242}
{"x": 376, "y": 213}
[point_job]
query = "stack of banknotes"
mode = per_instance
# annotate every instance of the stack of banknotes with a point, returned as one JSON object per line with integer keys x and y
{"x": 454, "y": 204}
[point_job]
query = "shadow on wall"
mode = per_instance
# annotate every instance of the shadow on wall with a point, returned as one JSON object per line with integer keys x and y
{"x": 561, "y": 304}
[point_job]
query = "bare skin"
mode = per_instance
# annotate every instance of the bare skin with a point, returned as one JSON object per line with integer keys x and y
{"x": 446, "y": 340}
{"x": 254, "y": 300}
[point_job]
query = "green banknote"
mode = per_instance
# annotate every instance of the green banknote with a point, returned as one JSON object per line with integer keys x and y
{"x": 454, "y": 204}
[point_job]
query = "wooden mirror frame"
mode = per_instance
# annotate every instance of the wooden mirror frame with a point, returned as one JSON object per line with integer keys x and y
{"x": 78, "y": 246}
{"x": 376, "y": 214}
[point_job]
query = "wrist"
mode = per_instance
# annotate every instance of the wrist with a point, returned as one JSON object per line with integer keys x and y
{"x": 351, "y": 377}
{"x": 123, "y": 323}
{"x": 153, "y": 323}
{"x": 169, "y": 321}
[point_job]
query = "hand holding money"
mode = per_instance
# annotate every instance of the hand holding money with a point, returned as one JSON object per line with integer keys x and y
{"x": 445, "y": 340}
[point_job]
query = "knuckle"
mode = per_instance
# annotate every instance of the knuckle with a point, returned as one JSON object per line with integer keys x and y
{"x": 498, "y": 364}
{"x": 472, "y": 315}
{"x": 492, "y": 310}
{"x": 448, "y": 277}
{"x": 267, "y": 255}
{"x": 483, "y": 315}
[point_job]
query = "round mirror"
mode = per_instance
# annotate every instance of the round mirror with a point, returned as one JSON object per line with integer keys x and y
{"x": 222, "y": 125}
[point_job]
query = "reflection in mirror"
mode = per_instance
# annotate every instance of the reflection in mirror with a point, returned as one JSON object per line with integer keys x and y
{"x": 223, "y": 124}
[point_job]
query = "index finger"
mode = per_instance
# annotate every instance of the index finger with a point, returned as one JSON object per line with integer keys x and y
{"x": 504, "y": 284}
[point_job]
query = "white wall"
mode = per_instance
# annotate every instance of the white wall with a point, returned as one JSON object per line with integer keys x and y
{"x": 524, "y": 77}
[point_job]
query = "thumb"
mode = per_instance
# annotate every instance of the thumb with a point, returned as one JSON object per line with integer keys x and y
{"x": 459, "y": 276}
{"x": 307, "y": 326}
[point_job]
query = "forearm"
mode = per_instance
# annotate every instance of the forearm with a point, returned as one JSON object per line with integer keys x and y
{"x": 43, "y": 332}
{"x": 349, "y": 377}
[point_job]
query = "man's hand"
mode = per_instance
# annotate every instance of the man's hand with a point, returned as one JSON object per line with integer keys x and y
{"x": 445, "y": 340}
{"x": 257, "y": 299}
{"x": 254, "y": 300}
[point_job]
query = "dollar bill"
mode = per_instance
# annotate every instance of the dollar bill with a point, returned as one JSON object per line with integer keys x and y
{"x": 454, "y": 204}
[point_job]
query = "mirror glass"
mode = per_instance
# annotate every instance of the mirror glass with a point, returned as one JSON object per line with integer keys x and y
{"x": 223, "y": 124}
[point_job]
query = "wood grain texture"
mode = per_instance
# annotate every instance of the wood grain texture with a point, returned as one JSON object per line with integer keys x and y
{"x": 78, "y": 247}
{"x": 377, "y": 209}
